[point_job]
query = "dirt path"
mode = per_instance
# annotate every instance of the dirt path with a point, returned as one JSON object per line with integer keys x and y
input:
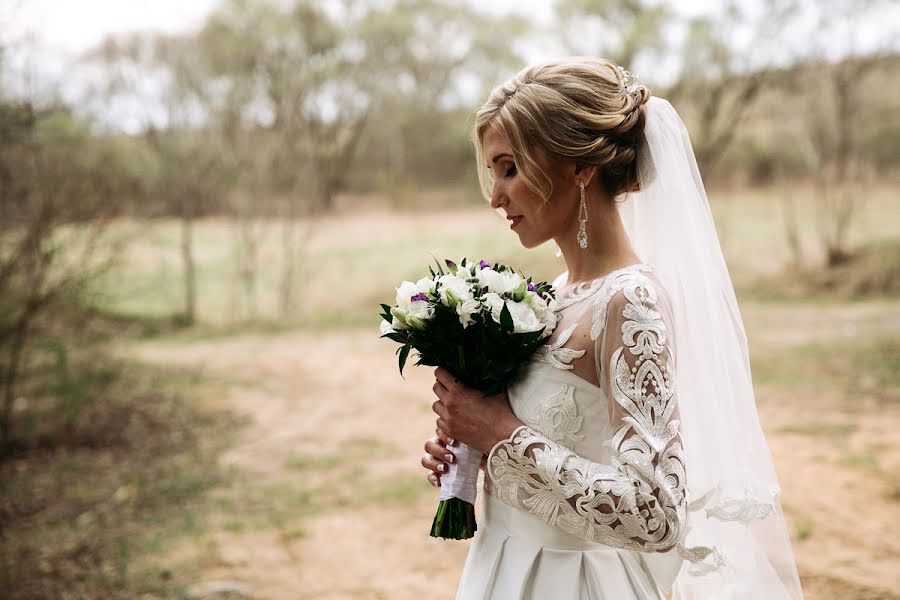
{"x": 362, "y": 423}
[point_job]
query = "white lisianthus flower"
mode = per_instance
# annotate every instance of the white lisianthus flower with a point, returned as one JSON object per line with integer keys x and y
{"x": 524, "y": 319}
{"x": 386, "y": 327}
{"x": 504, "y": 282}
{"x": 407, "y": 290}
{"x": 418, "y": 319}
{"x": 466, "y": 309}
{"x": 426, "y": 286}
{"x": 393, "y": 326}
{"x": 412, "y": 304}
{"x": 454, "y": 289}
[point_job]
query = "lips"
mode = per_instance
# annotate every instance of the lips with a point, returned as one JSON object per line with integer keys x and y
{"x": 515, "y": 220}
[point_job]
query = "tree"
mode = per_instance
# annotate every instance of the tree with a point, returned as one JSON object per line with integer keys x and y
{"x": 833, "y": 123}
{"x": 58, "y": 190}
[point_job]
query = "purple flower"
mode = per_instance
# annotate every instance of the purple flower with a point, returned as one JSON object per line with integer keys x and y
{"x": 419, "y": 296}
{"x": 532, "y": 287}
{"x": 484, "y": 264}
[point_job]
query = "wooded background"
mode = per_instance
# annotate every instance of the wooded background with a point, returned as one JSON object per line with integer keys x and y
{"x": 202, "y": 215}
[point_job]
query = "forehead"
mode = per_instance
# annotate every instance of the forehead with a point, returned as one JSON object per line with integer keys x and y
{"x": 494, "y": 142}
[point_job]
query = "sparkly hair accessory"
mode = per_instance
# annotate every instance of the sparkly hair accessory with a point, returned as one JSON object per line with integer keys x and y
{"x": 627, "y": 82}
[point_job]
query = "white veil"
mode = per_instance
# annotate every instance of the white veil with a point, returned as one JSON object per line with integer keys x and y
{"x": 737, "y": 545}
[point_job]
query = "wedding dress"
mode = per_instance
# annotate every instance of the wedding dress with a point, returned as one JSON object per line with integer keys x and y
{"x": 641, "y": 471}
{"x": 587, "y": 499}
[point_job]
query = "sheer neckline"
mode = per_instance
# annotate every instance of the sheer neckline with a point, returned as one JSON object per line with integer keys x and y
{"x": 582, "y": 289}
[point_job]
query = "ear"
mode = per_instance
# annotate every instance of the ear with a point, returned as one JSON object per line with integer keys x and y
{"x": 585, "y": 173}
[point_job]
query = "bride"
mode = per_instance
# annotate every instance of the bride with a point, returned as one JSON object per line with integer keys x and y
{"x": 625, "y": 460}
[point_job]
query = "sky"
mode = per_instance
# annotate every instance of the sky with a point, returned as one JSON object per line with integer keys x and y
{"x": 47, "y": 36}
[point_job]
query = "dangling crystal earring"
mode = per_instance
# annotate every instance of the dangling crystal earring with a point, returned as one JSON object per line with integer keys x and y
{"x": 582, "y": 221}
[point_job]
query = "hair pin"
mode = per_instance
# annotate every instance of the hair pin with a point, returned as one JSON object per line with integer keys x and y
{"x": 627, "y": 82}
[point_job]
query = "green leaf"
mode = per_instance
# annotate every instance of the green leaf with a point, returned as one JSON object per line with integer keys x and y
{"x": 506, "y": 320}
{"x": 404, "y": 353}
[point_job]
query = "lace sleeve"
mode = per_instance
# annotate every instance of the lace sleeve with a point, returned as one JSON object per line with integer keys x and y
{"x": 638, "y": 500}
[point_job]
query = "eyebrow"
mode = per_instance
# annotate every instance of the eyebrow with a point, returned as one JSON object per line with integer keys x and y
{"x": 501, "y": 155}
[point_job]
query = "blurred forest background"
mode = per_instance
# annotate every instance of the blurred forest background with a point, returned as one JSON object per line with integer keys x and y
{"x": 195, "y": 402}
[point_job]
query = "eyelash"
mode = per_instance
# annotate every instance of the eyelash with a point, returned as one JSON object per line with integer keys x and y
{"x": 510, "y": 172}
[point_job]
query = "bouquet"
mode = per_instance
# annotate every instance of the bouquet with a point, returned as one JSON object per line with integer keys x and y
{"x": 480, "y": 322}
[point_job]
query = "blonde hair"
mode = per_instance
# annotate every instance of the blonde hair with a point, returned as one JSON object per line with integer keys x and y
{"x": 572, "y": 109}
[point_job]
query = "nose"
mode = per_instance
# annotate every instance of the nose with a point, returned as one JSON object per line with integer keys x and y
{"x": 498, "y": 197}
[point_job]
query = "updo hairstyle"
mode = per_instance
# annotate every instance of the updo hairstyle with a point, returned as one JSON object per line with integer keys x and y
{"x": 572, "y": 109}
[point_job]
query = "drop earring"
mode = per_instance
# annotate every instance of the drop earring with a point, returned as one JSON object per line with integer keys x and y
{"x": 582, "y": 221}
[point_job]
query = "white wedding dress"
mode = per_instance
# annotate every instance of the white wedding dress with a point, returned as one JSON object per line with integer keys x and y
{"x": 587, "y": 499}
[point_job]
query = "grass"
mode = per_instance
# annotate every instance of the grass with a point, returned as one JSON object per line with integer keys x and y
{"x": 803, "y": 530}
{"x": 820, "y": 429}
{"x": 119, "y": 480}
{"x": 324, "y": 483}
{"x": 351, "y": 263}
{"x": 861, "y": 365}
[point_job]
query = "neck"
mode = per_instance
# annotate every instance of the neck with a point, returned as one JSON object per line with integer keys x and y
{"x": 608, "y": 245}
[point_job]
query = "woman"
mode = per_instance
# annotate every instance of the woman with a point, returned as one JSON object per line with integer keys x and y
{"x": 626, "y": 459}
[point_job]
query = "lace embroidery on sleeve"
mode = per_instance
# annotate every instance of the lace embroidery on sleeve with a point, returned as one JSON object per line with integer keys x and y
{"x": 638, "y": 501}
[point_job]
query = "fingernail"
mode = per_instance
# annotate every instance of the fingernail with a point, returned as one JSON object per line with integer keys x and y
{"x": 442, "y": 467}
{"x": 450, "y": 441}
{"x": 448, "y": 458}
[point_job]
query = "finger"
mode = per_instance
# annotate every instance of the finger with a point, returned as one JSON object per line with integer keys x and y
{"x": 445, "y": 377}
{"x": 433, "y": 464}
{"x": 438, "y": 451}
{"x": 443, "y": 437}
{"x": 434, "y": 480}
{"x": 434, "y": 440}
{"x": 439, "y": 409}
{"x": 442, "y": 424}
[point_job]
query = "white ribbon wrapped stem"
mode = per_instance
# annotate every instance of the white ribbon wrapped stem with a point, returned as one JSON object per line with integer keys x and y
{"x": 461, "y": 479}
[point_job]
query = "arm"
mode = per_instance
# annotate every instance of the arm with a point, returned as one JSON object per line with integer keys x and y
{"x": 638, "y": 500}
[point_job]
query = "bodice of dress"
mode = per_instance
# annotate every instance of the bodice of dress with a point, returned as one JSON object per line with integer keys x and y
{"x": 600, "y": 461}
{"x": 566, "y": 408}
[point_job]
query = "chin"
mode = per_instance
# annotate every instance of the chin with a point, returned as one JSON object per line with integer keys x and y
{"x": 530, "y": 242}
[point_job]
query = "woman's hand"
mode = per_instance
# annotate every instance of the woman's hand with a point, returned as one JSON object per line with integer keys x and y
{"x": 464, "y": 415}
{"x": 439, "y": 455}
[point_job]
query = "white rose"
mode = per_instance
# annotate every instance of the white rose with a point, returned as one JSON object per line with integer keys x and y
{"x": 453, "y": 290}
{"x": 544, "y": 311}
{"x": 465, "y": 310}
{"x": 523, "y": 316}
{"x": 495, "y": 303}
{"x": 499, "y": 282}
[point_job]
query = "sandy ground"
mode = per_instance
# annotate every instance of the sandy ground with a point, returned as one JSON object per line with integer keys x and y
{"x": 314, "y": 394}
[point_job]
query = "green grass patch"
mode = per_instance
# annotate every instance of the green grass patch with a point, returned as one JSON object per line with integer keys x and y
{"x": 820, "y": 429}
{"x": 867, "y": 365}
{"x": 96, "y": 496}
